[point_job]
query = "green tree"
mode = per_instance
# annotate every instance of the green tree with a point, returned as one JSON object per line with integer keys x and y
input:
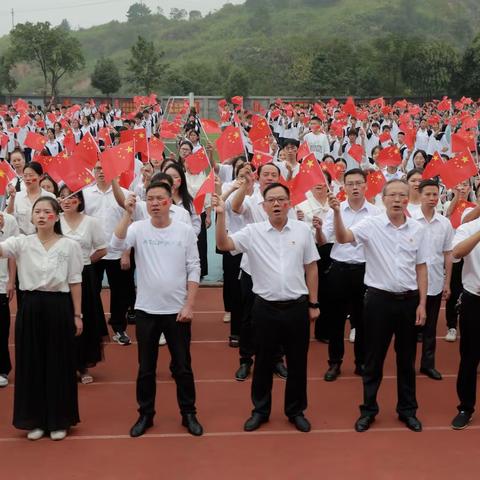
{"x": 178, "y": 14}
{"x": 54, "y": 50}
{"x": 194, "y": 15}
{"x": 237, "y": 83}
{"x": 144, "y": 66}
{"x": 106, "y": 77}
{"x": 137, "y": 11}
{"x": 6, "y": 79}
{"x": 470, "y": 69}
{"x": 430, "y": 68}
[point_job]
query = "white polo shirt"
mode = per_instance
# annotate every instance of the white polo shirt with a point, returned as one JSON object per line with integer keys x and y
{"x": 471, "y": 263}
{"x": 318, "y": 144}
{"x": 22, "y": 210}
{"x": 348, "y": 252}
{"x": 10, "y": 229}
{"x": 439, "y": 235}
{"x": 391, "y": 252}
{"x": 277, "y": 259}
{"x": 166, "y": 259}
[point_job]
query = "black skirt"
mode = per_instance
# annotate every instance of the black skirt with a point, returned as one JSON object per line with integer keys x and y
{"x": 90, "y": 342}
{"x": 45, "y": 367}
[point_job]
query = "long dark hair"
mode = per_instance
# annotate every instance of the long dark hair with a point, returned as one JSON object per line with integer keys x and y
{"x": 56, "y": 208}
{"x": 183, "y": 189}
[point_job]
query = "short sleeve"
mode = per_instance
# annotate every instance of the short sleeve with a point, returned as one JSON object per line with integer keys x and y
{"x": 310, "y": 253}
{"x": 423, "y": 248}
{"x": 11, "y": 246}
{"x": 462, "y": 233}
{"x": 127, "y": 242}
{"x": 241, "y": 239}
{"x": 98, "y": 235}
{"x": 450, "y": 234}
{"x": 362, "y": 230}
{"x": 75, "y": 263}
{"x": 327, "y": 229}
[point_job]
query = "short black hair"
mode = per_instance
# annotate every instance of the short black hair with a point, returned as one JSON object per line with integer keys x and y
{"x": 352, "y": 131}
{"x": 413, "y": 171}
{"x": 355, "y": 171}
{"x": 161, "y": 177}
{"x": 78, "y": 195}
{"x": 275, "y": 185}
{"x": 430, "y": 182}
{"x": 163, "y": 185}
{"x": 290, "y": 141}
{"x": 36, "y": 167}
{"x": 260, "y": 168}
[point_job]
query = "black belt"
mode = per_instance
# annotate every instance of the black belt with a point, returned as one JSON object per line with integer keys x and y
{"x": 284, "y": 303}
{"x": 348, "y": 266}
{"x": 394, "y": 295}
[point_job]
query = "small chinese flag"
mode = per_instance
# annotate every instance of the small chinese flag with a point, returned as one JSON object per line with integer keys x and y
{"x": 445, "y": 105}
{"x": 86, "y": 151}
{"x": 309, "y": 175}
{"x": 69, "y": 142}
{"x": 458, "y": 169}
{"x": 140, "y": 137}
{"x": 156, "y": 148}
{"x": 350, "y": 108}
{"x": 6, "y": 175}
{"x": 197, "y": 162}
{"x": 20, "y": 105}
{"x": 104, "y": 135}
{"x": 356, "y": 152}
{"x": 210, "y": 126}
{"x": 238, "y": 101}
{"x": 460, "y": 207}
{"x": 389, "y": 156}
{"x": 260, "y": 129}
{"x": 3, "y": 140}
{"x": 385, "y": 137}
{"x": 261, "y": 145}
{"x": 380, "y": 102}
{"x": 261, "y": 158}
{"x": 23, "y": 121}
{"x": 463, "y": 140}
{"x": 341, "y": 195}
{"x": 208, "y": 186}
{"x": 230, "y": 143}
{"x": 303, "y": 151}
{"x": 433, "y": 167}
{"x": 117, "y": 160}
{"x": 375, "y": 183}
{"x": 334, "y": 169}
{"x": 35, "y": 141}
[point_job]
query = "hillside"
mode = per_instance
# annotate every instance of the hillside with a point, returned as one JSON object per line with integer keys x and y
{"x": 266, "y": 38}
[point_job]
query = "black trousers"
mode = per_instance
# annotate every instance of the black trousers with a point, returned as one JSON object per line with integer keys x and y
{"x": 346, "y": 297}
{"x": 178, "y": 335}
{"x": 288, "y": 326}
{"x": 232, "y": 293}
{"x": 5, "y": 363}
{"x": 246, "y": 343}
{"x": 203, "y": 246}
{"x": 429, "y": 330}
{"x": 385, "y": 316}
{"x": 322, "y": 323}
{"x": 469, "y": 352}
{"x": 122, "y": 290}
{"x": 456, "y": 287}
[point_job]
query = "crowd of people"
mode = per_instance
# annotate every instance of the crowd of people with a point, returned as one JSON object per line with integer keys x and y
{"x": 379, "y": 238}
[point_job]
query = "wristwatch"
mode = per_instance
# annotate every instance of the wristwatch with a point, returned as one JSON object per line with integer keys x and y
{"x": 313, "y": 305}
{"x": 78, "y": 315}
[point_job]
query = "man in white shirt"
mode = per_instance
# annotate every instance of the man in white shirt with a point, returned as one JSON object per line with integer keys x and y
{"x": 438, "y": 236}
{"x": 396, "y": 279}
{"x": 316, "y": 139}
{"x": 282, "y": 258}
{"x": 466, "y": 246}
{"x": 167, "y": 260}
{"x": 345, "y": 277}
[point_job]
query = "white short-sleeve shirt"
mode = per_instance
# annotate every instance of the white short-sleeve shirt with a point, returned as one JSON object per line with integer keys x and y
{"x": 88, "y": 233}
{"x": 277, "y": 259}
{"x": 22, "y": 210}
{"x": 10, "y": 229}
{"x": 391, "y": 253}
{"x": 45, "y": 270}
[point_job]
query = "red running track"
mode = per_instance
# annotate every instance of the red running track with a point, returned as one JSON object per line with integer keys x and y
{"x": 100, "y": 448}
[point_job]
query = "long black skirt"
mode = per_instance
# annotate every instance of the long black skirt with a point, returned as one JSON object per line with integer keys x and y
{"x": 90, "y": 342}
{"x": 45, "y": 366}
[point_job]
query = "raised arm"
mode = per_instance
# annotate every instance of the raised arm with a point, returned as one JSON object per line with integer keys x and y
{"x": 342, "y": 234}
{"x": 224, "y": 242}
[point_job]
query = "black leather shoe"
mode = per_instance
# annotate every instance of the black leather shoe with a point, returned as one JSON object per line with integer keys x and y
{"x": 190, "y": 421}
{"x": 143, "y": 424}
{"x": 301, "y": 423}
{"x": 243, "y": 372}
{"x": 432, "y": 373}
{"x": 254, "y": 422}
{"x": 358, "y": 370}
{"x": 280, "y": 370}
{"x": 332, "y": 373}
{"x": 363, "y": 423}
{"x": 233, "y": 342}
{"x": 413, "y": 423}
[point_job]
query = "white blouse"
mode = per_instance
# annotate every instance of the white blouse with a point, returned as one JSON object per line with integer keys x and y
{"x": 46, "y": 271}
{"x": 88, "y": 233}
{"x": 10, "y": 229}
{"x": 22, "y": 210}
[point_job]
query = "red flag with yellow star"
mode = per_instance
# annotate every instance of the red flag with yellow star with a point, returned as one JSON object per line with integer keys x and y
{"x": 78, "y": 178}
{"x": 55, "y": 166}
{"x": 117, "y": 160}
{"x": 230, "y": 144}
{"x": 210, "y": 126}
{"x": 208, "y": 186}
{"x": 86, "y": 151}
{"x": 389, "y": 156}
{"x": 35, "y": 141}
{"x": 197, "y": 162}
{"x": 140, "y": 137}
{"x": 260, "y": 129}
{"x": 463, "y": 140}
{"x": 460, "y": 207}
{"x": 433, "y": 167}
{"x": 6, "y": 174}
{"x": 458, "y": 169}
{"x": 309, "y": 175}
{"x": 375, "y": 183}
{"x": 261, "y": 158}
{"x": 156, "y": 148}
{"x": 356, "y": 152}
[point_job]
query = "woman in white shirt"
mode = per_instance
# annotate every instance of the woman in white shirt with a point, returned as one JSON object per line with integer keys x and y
{"x": 53, "y": 146}
{"x": 17, "y": 161}
{"x": 414, "y": 177}
{"x": 50, "y": 272}
{"x": 88, "y": 232}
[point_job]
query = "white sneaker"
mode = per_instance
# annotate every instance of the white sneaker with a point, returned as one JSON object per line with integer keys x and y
{"x": 58, "y": 434}
{"x": 227, "y": 317}
{"x": 3, "y": 381}
{"x": 163, "y": 340}
{"x": 351, "y": 337}
{"x": 35, "y": 434}
{"x": 451, "y": 335}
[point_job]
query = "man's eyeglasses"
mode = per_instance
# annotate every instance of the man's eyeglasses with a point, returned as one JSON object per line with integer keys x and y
{"x": 271, "y": 201}
{"x": 354, "y": 184}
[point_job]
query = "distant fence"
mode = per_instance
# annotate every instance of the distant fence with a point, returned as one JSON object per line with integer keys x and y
{"x": 206, "y": 106}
